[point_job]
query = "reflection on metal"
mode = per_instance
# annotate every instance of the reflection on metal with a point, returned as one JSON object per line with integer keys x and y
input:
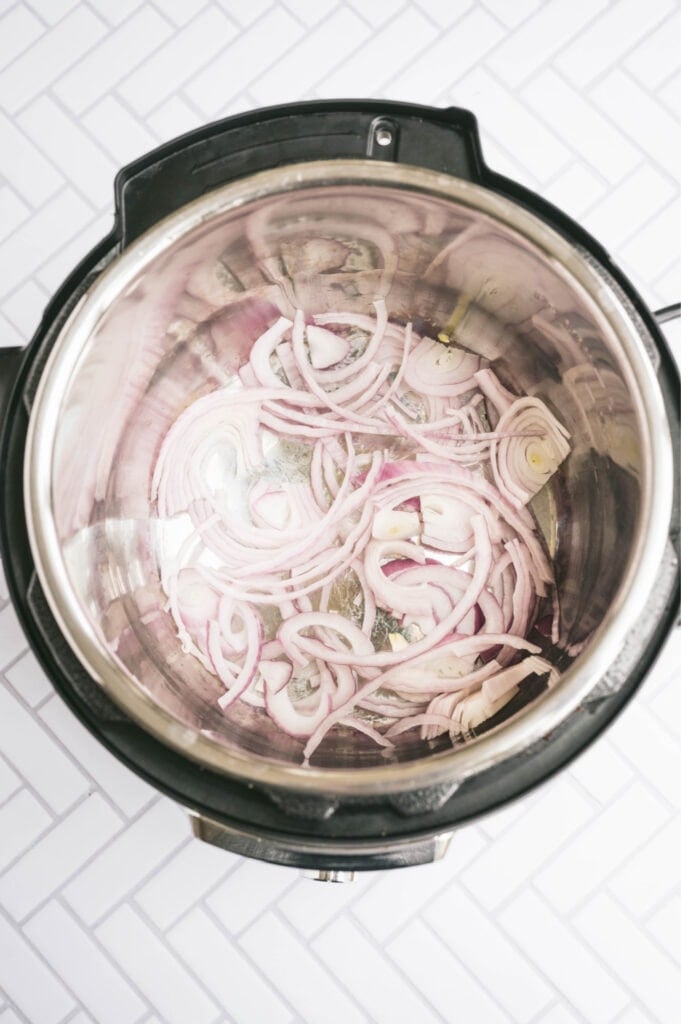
{"x": 330, "y": 876}
{"x": 642, "y": 633}
{"x": 165, "y": 322}
{"x": 338, "y": 856}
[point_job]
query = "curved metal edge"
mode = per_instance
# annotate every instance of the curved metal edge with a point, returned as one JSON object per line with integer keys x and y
{"x": 537, "y": 720}
{"x": 319, "y": 856}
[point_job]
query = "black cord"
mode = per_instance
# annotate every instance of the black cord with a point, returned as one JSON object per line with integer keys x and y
{"x": 668, "y": 313}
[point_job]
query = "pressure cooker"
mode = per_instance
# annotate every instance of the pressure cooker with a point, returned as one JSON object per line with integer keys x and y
{"x": 426, "y": 227}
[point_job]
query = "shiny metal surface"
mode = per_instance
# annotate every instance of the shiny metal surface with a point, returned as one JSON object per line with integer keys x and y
{"x": 336, "y": 862}
{"x": 162, "y": 326}
{"x": 330, "y": 876}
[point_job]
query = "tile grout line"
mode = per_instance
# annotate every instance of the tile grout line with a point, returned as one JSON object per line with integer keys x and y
{"x": 94, "y": 938}
{"x": 37, "y": 953}
{"x": 233, "y": 939}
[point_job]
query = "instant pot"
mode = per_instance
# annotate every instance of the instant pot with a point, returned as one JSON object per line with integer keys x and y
{"x": 212, "y": 229}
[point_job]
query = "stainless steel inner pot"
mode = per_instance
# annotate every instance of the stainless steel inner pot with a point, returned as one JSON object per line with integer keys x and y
{"x": 172, "y": 318}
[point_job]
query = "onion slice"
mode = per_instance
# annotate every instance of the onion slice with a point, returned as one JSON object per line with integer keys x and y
{"x": 356, "y": 545}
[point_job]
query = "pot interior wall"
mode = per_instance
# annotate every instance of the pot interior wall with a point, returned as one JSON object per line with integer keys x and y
{"x": 184, "y": 327}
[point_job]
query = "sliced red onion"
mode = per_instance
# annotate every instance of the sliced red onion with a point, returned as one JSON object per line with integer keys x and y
{"x": 377, "y": 328}
{"x": 412, "y": 520}
{"x": 291, "y": 719}
{"x": 474, "y": 709}
{"x": 275, "y": 674}
{"x": 522, "y": 464}
{"x": 385, "y": 679}
{"x": 443, "y": 707}
{"x": 502, "y": 682}
{"x": 262, "y": 351}
{"x": 250, "y": 665}
{"x": 290, "y": 633}
{"x": 326, "y": 348}
{"x": 425, "y": 719}
{"x": 442, "y": 370}
{"x": 361, "y": 726}
{"x": 388, "y": 592}
{"x": 391, "y": 524}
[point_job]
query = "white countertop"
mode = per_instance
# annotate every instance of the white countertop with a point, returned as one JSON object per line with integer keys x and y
{"x": 564, "y": 906}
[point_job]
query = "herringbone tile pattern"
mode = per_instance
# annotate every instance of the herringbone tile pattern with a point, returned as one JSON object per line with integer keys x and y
{"x": 564, "y": 907}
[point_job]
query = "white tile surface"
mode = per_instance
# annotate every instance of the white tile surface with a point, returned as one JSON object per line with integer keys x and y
{"x": 406, "y": 34}
{"x": 625, "y": 949}
{"x": 614, "y": 835}
{"x": 177, "y": 60}
{"x": 487, "y": 953}
{"x": 382, "y": 988}
{"x": 117, "y": 130}
{"x": 296, "y": 67}
{"x": 159, "y": 975}
{"x": 40, "y": 237}
{"x": 49, "y": 57}
{"x": 656, "y": 58}
{"x": 118, "y": 53}
{"x": 616, "y": 31}
{"x": 602, "y": 771}
{"x": 226, "y": 972}
{"x": 653, "y": 242}
{"x": 561, "y": 908}
{"x": 9, "y": 780}
{"x": 643, "y": 193}
{"x": 58, "y": 855}
{"x": 314, "y": 991}
{"x": 12, "y": 212}
{"x": 126, "y": 789}
{"x": 87, "y": 970}
{"x": 654, "y": 130}
{"x": 450, "y": 988}
{"x": 69, "y": 251}
{"x": 559, "y": 1014}
{"x": 507, "y": 863}
{"x": 539, "y": 143}
{"x": 18, "y": 29}
{"x": 435, "y": 69}
{"x": 69, "y": 148}
{"x": 551, "y": 944}
{"x": 247, "y": 56}
{"x": 394, "y": 897}
{"x": 558, "y": 103}
{"x": 545, "y": 33}
{"x": 22, "y": 819}
{"x": 11, "y": 337}
{"x": 8, "y": 1016}
{"x": 24, "y": 306}
{"x": 247, "y": 892}
{"x": 183, "y": 881}
{"x": 124, "y": 863}
{"x": 12, "y": 640}
{"x": 310, "y": 910}
{"x": 53, "y": 773}
{"x": 33, "y": 987}
{"x": 648, "y": 876}
{"x": 665, "y": 927}
{"x": 31, "y": 173}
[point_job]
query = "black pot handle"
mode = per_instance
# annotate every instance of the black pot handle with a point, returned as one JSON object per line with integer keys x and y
{"x": 182, "y": 170}
{"x": 10, "y": 361}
